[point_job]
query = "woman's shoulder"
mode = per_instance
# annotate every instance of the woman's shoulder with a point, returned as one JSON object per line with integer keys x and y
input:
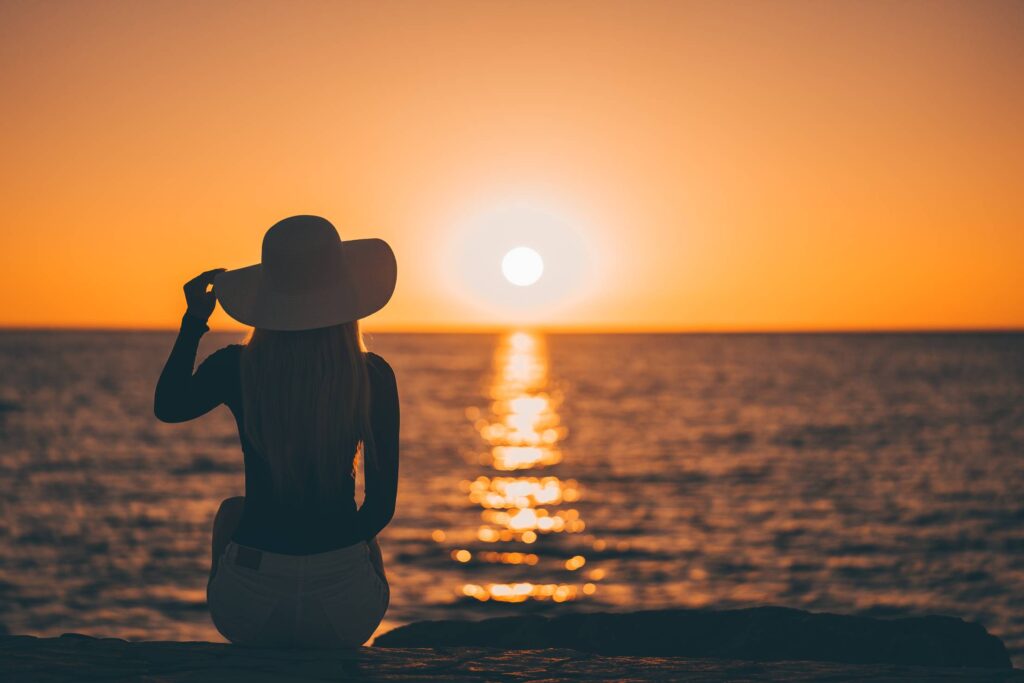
{"x": 379, "y": 366}
{"x": 225, "y": 354}
{"x": 382, "y": 377}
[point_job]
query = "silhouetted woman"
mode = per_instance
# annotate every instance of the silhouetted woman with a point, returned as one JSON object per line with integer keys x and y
{"x": 295, "y": 563}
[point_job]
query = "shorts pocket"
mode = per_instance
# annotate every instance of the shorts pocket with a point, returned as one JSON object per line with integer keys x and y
{"x": 238, "y": 609}
{"x": 356, "y": 612}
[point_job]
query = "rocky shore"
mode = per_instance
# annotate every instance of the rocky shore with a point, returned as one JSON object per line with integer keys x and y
{"x": 736, "y": 645}
{"x": 80, "y": 658}
{"x": 754, "y": 634}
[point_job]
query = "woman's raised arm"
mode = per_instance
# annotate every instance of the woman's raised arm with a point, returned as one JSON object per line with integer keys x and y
{"x": 180, "y": 395}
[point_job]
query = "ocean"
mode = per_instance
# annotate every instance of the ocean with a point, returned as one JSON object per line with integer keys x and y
{"x": 875, "y": 474}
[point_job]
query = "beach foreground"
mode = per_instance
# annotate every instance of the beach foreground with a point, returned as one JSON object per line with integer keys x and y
{"x": 932, "y": 641}
{"x": 79, "y": 658}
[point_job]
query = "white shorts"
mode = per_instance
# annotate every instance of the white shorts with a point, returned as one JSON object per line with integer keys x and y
{"x": 332, "y": 599}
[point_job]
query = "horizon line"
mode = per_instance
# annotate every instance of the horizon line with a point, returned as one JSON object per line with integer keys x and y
{"x": 556, "y": 329}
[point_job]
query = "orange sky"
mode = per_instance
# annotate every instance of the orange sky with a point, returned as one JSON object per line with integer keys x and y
{"x": 690, "y": 165}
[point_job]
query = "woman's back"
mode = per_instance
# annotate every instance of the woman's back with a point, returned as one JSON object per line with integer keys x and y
{"x": 308, "y": 523}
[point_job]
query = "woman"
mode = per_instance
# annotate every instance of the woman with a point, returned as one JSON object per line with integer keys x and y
{"x": 294, "y": 562}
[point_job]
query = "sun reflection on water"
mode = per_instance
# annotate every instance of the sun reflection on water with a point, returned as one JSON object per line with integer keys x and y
{"x": 523, "y": 516}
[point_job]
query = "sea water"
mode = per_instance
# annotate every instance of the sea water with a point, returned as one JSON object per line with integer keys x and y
{"x": 863, "y": 473}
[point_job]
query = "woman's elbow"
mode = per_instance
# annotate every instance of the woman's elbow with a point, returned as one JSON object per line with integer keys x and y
{"x": 166, "y": 413}
{"x": 164, "y": 417}
{"x": 383, "y": 513}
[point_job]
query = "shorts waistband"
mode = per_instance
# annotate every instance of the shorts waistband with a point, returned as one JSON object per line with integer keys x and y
{"x": 278, "y": 563}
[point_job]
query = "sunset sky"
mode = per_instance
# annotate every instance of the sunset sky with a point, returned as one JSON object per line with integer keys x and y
{"x": 678, "y": 166}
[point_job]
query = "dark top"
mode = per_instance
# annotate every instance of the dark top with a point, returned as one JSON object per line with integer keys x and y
{"x": 182, "y": 395}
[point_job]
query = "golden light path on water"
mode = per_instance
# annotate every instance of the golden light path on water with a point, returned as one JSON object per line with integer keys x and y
{"x": 520, "y": 512}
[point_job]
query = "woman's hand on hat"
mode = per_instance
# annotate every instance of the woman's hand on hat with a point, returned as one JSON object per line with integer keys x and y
{"x": 200, "y": 301}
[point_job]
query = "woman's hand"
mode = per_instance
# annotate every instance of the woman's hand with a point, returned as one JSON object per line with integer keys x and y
{"x": 200, "y": 301}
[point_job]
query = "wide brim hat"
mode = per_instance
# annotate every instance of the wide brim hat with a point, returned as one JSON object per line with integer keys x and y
{"x": 309, "y": 278}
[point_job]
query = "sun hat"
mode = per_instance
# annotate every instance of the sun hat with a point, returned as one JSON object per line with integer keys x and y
{"x": 309, "y": 278}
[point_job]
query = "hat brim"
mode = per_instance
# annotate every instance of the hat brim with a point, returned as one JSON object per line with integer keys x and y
{"x": 363, "y": 285}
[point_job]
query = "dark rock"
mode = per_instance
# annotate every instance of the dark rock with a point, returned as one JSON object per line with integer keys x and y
{"x": 82, "y": 658}
{"x": 756, "y": 634}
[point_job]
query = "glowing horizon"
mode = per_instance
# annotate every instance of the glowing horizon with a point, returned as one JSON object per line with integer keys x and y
{"x": 678, "y": 167}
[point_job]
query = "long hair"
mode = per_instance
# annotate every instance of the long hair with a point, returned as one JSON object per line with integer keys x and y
{"x": 306, "y": 403}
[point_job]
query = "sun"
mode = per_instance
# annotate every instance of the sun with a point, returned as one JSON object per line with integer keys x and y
{"x": 515, "y": 262}
{"x": 522, "y": 266}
